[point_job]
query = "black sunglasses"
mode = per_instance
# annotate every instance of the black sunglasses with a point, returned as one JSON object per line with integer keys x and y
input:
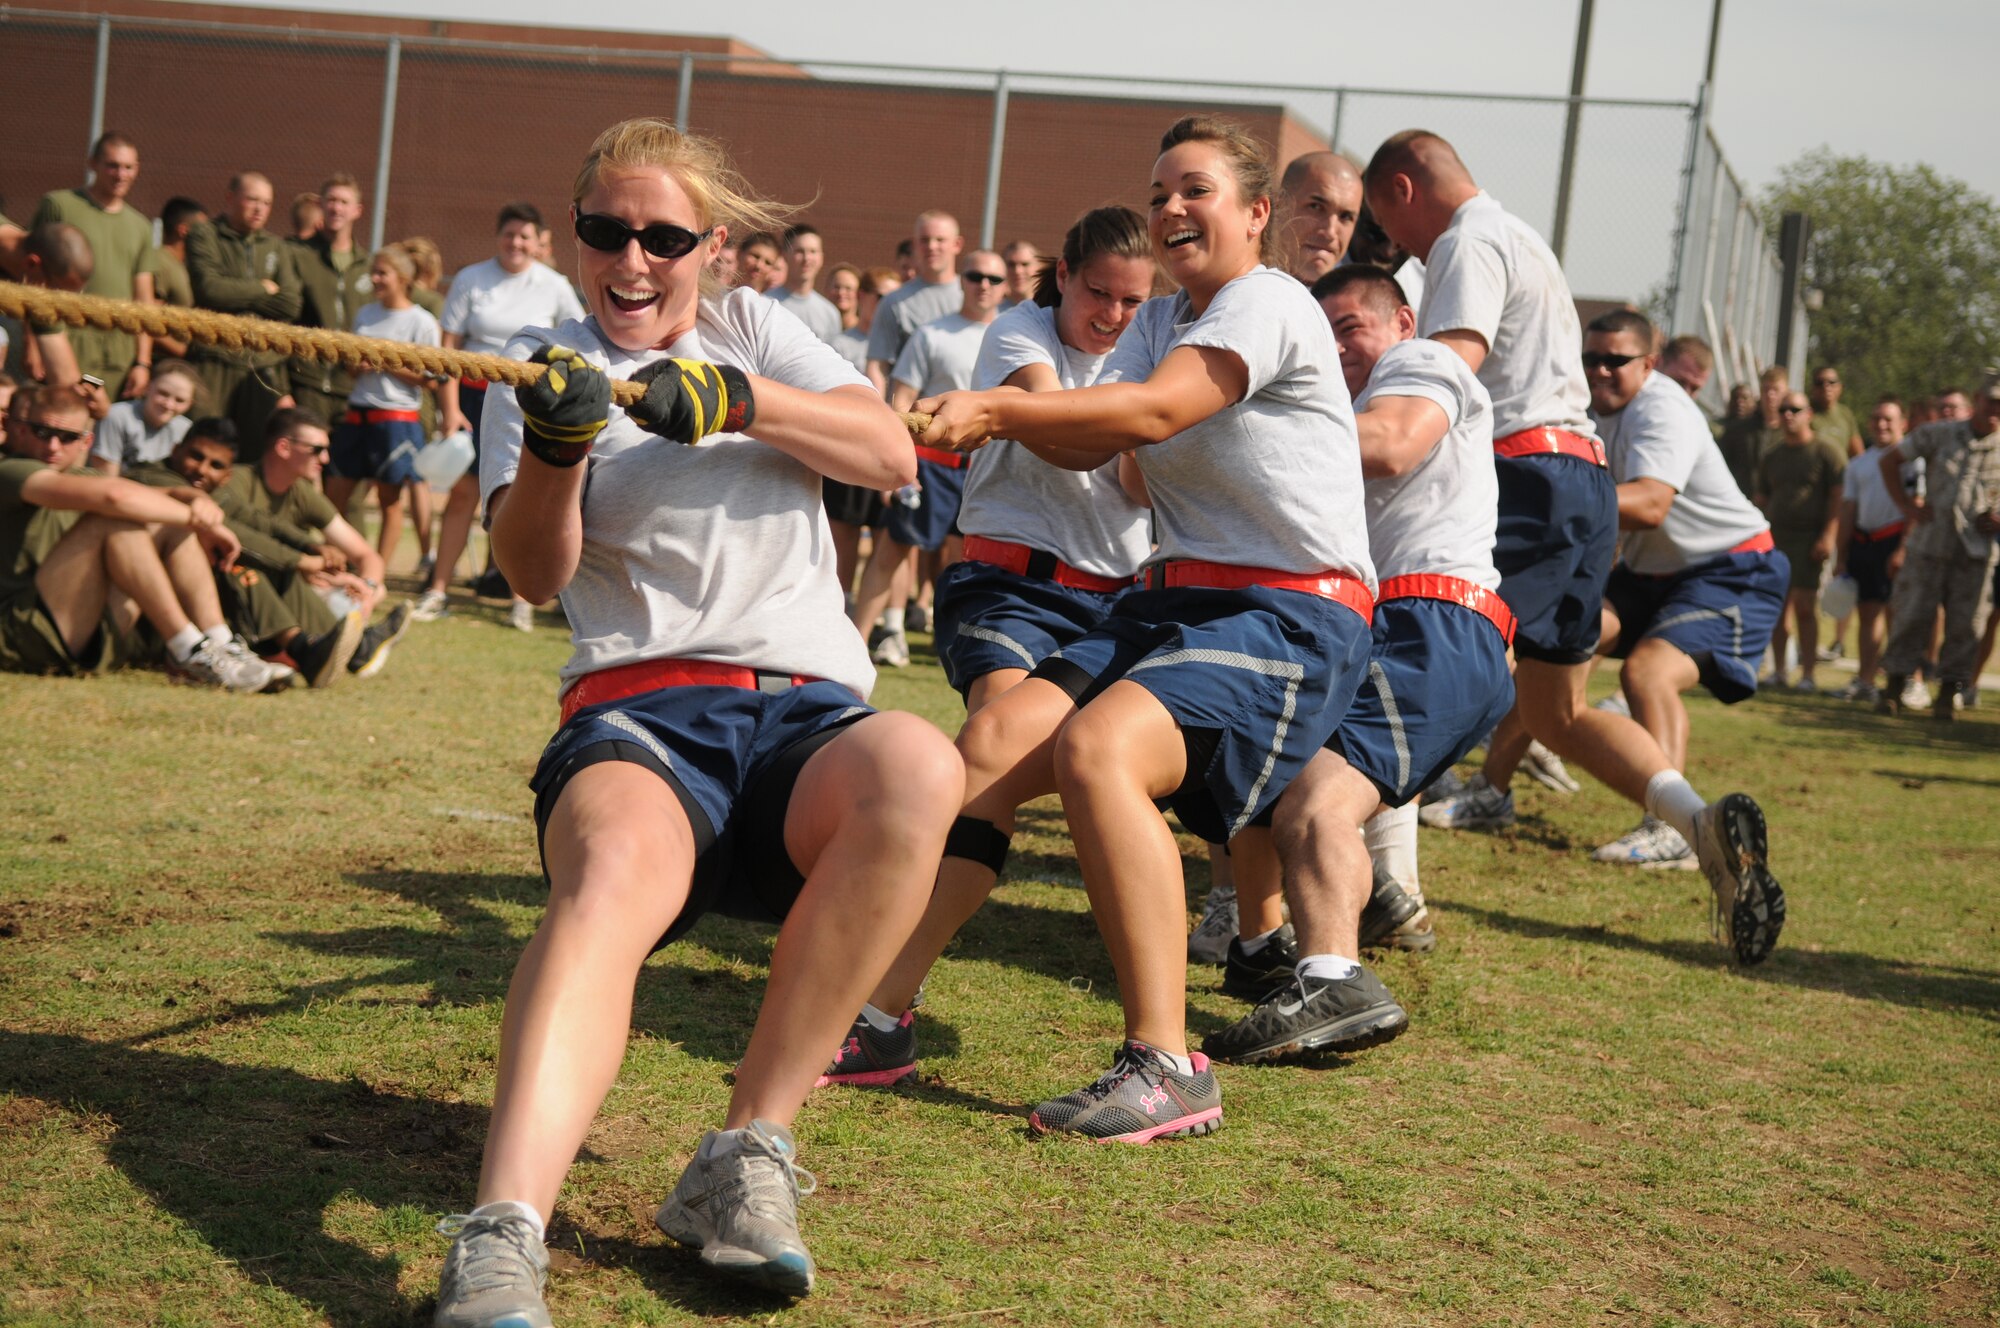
{"x": 49, "y": 433}
{"x": 1594, "y": 359}
{"x": 983, "y": 278}
{"x": 1791, "y": 410}
{"x": 661, "y": 239}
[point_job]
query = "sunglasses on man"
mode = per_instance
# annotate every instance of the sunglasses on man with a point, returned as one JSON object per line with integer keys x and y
{"x": 607, "y": 234}
{"x": 1595, "y": 359}
{"x": 50, "y": 433}
{"x": 982, "y": 278}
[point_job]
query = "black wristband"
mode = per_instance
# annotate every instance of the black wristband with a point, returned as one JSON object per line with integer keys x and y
{"x": 552, "y": 453}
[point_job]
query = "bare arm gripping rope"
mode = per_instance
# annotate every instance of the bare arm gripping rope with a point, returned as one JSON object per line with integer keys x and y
{"x": 38, "y": 307}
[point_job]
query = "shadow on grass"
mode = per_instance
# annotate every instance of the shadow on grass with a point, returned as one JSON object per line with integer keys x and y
{"x": 1828, "y": 718}
{"x": 1920, "y": 986}
{"x": 1917, "y": 779}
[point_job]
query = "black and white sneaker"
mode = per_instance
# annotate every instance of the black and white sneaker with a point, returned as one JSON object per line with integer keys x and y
{"x": 1253, "y": 977}
{"x": 1731, "y": 841}
{"x": 1389, "y": 906}
{"x": 1312, "y": 1015}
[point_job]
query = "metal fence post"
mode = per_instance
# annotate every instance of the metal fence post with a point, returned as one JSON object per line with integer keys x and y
{"x": 992, "y": 216}
{"x": 1339, "y": 114}
{"x": 1684, "y": 226}
{"x": 1559, "y": 237}
{"x": 102, "y": 79}
{"x": 684, "y": 91}
{"x": 386, "y": 149}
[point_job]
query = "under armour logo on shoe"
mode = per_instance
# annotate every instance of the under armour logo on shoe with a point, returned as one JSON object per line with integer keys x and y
{"x": 1153, "y": 1101}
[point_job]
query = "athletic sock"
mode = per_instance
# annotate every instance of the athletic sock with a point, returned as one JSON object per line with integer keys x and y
{"x": 1181, "y": 1064}
{"x": 721, "y": 1144}
{"x": 513, "y": 1208}
{"x": 1327, "y": 967}
{"x": 893, "y": 620}
{"x": 182, "y": 643}
{"x": 220, "y": 634}
{"x": 1671, "y": 798}
{"x": 1391, "y": 838}
{"x": 880, "y": 1022}
{"x": 1255, "y": 945}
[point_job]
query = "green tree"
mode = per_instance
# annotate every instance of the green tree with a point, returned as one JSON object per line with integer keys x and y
{"x": 1908, "y": 263}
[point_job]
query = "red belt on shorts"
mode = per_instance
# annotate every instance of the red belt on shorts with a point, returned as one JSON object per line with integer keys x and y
{"x": 1545, "y": 441}
{"x": 1336, "y": 586}
{"x": 1757, "y": 543}
{"x": 1039, "y": 564}
{"x": 380, "y": 417}
{"x": 939, "y": 456}
{"x": 1880, "y": 533}
{"x": 650, "y": 675}
{"x": 1452, "y": 590}
{"x": 474, "y": 384}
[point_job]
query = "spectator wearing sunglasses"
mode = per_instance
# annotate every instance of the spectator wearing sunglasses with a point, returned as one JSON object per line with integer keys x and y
{"x": 69, "y": 537}
{"x": 1799, "y": 488}
{"x": 715, "y": 754}
{"x": 1833, "y": 420}
{"x": 940, "y": 358}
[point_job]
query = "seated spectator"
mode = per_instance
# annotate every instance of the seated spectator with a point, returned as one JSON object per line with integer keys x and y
{"x": 760, "y": 264}
{"x": 1799, "y": 487}
{"x": 310, "y": 547}
{"x": 136, "y": 432}
{"x": 86, "y": 559}
{"x": 379, "y": 436}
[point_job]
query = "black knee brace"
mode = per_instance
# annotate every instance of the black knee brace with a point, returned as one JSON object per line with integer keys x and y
{"x": 978, "y": 841}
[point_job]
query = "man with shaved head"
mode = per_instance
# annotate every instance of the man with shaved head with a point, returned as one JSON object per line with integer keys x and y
{"x": 1498, "y": 298}
{"x": 238, "y": 267}
{"x": 57, "y": 256}
{"x": 1319, "y": 199}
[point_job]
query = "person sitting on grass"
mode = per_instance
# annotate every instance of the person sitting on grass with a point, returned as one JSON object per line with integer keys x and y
{"x": 85, "y": 558}
{"x": 146, "y": 428}
{"x": 313, "y": 550}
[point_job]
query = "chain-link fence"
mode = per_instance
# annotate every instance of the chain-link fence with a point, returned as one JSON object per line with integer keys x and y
{"x": 441, "y": 131}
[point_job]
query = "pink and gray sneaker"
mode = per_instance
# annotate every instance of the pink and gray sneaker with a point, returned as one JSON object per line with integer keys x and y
{"x": 873, "y": 1059}
{"x": 1140, "y": 1099}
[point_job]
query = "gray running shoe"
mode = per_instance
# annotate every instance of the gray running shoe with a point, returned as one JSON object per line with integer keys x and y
{"x": 1731, "y": 841}
{"x": 1547, "y": 769}
{"x": 1447, "y": 785}
{"x": 430, "y": 606}
{"x": 871, "y": 1058}
{"x": 1480, "y": 807}
{"x": 1313, "y": 1015}
{"x": 1141, "y": 1098}
{"x": 890, "y": 650}
{"x": 493, "y": 1276}
{"x": 1615, "y": 704}
{"x": 229, "y": 667}
{"x": 1209, "y": 942}
{"x": 741, "y": 1210}
{"x": 1253, "y": 977}
{"x": 1652, "y": 844}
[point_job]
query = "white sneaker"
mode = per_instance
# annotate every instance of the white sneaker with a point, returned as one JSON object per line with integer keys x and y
{"x": 1653, "y": 844}
{"x": 1615, "y": 704}
{"x": 892, "y": 651}
{"x": 430, "y": 607}
{"x": 741, "y": 1209}
{"x": 1209, "y": 942}
{"x": 227, "y": 666}
{"x": 1730, "y": 838}
{"x": 522, "y": 616}
{"x": 1547, "y": 769}
{"x": 1479, "y": 807}
{"x": 1915, "y": 695}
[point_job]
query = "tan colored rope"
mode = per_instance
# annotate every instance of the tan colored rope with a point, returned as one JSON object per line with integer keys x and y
{"x": 39, "y": 307}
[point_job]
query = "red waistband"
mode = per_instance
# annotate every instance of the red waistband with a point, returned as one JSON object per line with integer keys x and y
{"x": 1757, "y": 543}
{"x": 940, "y": 457}
{"x": 650, "y": 675}
{"x": 380, "y": 417}
{"x": 1452, "y": 590}
{"x": 1550, "y": 442}
{"x": 1334, "y": 585}
{"x": 1042, "y": 566}
{"x": 1880, "y": 533}
{"x": 472, "y": 384}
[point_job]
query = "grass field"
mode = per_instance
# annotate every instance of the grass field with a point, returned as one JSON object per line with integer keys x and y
{"x": 252, "y": 954}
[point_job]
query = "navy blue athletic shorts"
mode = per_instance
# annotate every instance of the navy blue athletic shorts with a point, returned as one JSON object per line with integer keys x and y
{"x": 1437, "y": 683}
{"x": 1557, "y": 538}
{"x": 472, "y": 405}
{"x": 386, "y": 451}
{"x": 989, "y": 618}
{"x": 926, "y": 525}
{"x": 1720, "y": 614}
{"x": 731, "y": 756}
{"x": 1868, "y": 564}
{"x": 1257, "y": 679}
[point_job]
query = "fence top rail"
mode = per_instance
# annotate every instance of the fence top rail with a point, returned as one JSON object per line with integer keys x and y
{"x": 299, "y": 33}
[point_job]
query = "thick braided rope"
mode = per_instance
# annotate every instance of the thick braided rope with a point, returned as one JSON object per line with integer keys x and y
{"x": 38, "y": 307}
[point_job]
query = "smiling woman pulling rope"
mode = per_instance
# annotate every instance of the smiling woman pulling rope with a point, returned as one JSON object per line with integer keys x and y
{"x": 40, "y": 307}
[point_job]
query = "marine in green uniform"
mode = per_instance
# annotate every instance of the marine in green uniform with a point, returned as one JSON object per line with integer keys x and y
{"x": 121, "y": 240}
{"x": 1833, "y": 422}
{"x": 334, "y": 271}
{"x": 238, "y": 267}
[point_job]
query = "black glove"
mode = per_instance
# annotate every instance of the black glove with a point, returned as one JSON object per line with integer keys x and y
{"x": 687, "y": 400}
{"x": 563, "y": 412}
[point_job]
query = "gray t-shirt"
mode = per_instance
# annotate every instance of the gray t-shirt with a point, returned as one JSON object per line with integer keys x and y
{"x": 381, "y": 391}
{"x": 852, "y": 343}
{"x": 488, "y": 304}
{"x": 122, "y": 436}
{"x": 904, "y": 310}
{"x": 1273, "y": 481}
{"x": 1440, "y": 517}
{"x": 1491, "y": 273}
{"x": 719, "y": 551}
{"x": 812, "y": 309}
{"x": 940, "y": 357}
{"x": 1084, "y": 518}
{"x": 1662, "y": 435}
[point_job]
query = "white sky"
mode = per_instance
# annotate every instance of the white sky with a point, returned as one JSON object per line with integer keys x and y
{"x": 1901, "y": 82}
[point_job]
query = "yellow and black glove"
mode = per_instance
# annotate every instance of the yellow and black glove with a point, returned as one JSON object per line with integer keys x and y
{"x": 687, "y": 400}
{"x": 563, "y": 412}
